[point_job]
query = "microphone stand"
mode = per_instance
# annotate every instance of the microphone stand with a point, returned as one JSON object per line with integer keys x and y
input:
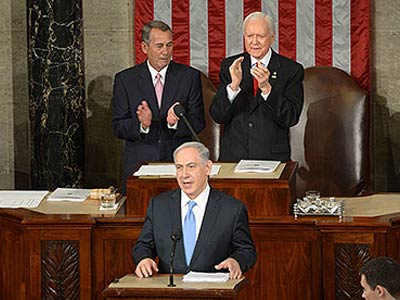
{"x": 180, "y": 111}
{"x": 174, "y": 237}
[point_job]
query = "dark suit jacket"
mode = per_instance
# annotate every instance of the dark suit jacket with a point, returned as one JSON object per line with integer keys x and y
{"x": 254, "y": 128}
{"x": 133, "y": 85}
{"x": 224, "y": 233}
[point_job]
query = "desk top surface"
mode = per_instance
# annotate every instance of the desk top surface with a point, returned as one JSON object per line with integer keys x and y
{"x": 161, "y": 281}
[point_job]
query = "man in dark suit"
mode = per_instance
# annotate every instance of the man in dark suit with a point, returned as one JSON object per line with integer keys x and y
{"x": 143, "y": 101}
{"x": 221, "y": 237}
{"x": 259, "y": 98}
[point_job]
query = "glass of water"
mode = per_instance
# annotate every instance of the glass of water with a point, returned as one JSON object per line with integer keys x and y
{"x": 108, "y": 200}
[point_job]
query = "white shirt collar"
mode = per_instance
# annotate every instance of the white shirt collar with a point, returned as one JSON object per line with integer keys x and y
{"x": 201, "y": 199}
{"x": 154, "y": 72}
{"x": 265, "y": 60}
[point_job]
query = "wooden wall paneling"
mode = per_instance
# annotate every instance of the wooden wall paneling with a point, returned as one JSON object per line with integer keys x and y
{"x": 60, "y": 269}
{"x": 344, "y": 252}
{"x": 139, "y": 193}
{"x": 13, "y": 260}
{"x": 263, "y": 197}
{"x": 112, "y": 246}
{"x": 393, "y": 241}
{"x": 288, "y": 265}
{"x": 65, "y": 251}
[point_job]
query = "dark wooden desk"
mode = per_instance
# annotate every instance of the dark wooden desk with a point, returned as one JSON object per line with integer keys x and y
{"x": 263, "y": 197}
{"x": 155, "y": 288}
{"x": 77, "y": 256}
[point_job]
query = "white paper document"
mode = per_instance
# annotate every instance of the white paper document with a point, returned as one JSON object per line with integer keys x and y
{"x": 165, "y": 170}
{"x": 256, "y": 166}
{"x": 21, "y": 199}
{"x": 67, "y": 194}
{"x": 205, "y": 277}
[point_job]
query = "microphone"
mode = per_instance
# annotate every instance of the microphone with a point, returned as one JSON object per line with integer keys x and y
{"x": 180, "y": 112}
{"x": 175, "y": 236}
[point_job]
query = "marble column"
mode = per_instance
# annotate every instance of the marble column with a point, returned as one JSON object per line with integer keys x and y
{"x": 56, "y": 93}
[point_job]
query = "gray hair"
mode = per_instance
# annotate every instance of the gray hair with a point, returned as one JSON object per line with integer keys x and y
{"x": 260, "y": 15}
{"x": 153, "y": 24}
{"x": 203, "y": 151}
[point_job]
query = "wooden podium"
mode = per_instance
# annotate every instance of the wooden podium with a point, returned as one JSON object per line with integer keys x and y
{"x": 152, "y": 288}
{"x": 265, "y": 195}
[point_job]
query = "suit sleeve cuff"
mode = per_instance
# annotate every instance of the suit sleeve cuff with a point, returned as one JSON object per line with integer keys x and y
{"x": 175, "y": 126}
{"x": 231, "y": 93}
{"x": 143, "y": 130}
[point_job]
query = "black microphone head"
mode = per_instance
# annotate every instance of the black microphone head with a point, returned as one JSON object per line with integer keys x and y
{"x": 176, "y": 235}
{"x": 179, "y": 110}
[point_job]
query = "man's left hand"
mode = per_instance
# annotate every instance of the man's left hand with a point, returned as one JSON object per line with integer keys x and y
{"x": 172, "y": 118}
{"x": 262, "y": 73}
{"x": 232, "y": 265}
{"x": 144, "y": 114}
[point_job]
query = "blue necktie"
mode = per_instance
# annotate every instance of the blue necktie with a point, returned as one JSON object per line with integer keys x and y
{"x": 189, "y": 232}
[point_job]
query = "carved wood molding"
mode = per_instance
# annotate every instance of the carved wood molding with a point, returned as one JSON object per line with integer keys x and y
{"x": 348, "y": 260}
{"x": 60, "y": 270}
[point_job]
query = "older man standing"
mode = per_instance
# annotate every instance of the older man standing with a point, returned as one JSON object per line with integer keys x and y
{"x": 144, "y": 100}
{"x": 259, "y": 98}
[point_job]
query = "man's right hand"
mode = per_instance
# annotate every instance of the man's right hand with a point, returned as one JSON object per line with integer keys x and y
{"x": 236, "y": 73}
{"x": 146, "y": 267}
{"x": 144, "y": 114}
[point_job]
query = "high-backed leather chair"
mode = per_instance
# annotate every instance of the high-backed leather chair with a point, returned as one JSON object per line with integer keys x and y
{"x": 210, "y": 136}
{"x": 331, "y": 140}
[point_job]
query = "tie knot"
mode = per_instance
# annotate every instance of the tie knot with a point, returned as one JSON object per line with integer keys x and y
{"x": 191, "y": 204}
{"x": 257, "y": 64}
{"x": 158, "y": 76}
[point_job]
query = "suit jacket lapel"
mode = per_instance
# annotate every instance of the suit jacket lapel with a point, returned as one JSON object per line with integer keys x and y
{"x": 170, "y": 88}
{"x": 147, "y": 86}
{"x": 247, "y": 80}
{"x": 247, "y": 77}
{"x": 273, "y": 67}
{"x": 207, "y": 227}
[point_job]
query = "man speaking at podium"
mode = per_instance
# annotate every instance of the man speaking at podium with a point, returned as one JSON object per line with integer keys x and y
{"x": 210, "y": 228}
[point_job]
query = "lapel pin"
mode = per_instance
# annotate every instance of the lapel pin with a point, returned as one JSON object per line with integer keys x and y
{"x": 274, "y": 75}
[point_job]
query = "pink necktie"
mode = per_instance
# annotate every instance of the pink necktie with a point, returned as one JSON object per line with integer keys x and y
{"x": 159, "y": 88}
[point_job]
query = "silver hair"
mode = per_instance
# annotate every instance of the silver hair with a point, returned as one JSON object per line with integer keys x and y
{"x": 260, "y": 15}
{"x": 153, "y": 24}
{"x": 203, "y": 151}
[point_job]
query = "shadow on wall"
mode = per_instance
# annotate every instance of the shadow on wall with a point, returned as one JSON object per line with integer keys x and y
{"x": 394, "y": 138}
{"x": 103, "y": 150}
{"x": 387, "y": 147}
{"x": 331, "y": 140}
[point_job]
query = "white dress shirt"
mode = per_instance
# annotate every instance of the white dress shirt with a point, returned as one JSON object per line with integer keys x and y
{"x": 153, "y": 73}
{"x": 264, "y": 61}
{"x": 198, "y": 210}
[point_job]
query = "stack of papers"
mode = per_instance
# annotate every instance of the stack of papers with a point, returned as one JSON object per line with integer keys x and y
{"x": 205, "y": 277}
{"x": 256, "y": 166}
{"x": 24, "y": 199}
{"x": 165, "y": 170}
{"x": 65, "y": 194}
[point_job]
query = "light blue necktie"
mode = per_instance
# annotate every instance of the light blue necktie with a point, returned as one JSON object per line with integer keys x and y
{"x": 189, "y": 232}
